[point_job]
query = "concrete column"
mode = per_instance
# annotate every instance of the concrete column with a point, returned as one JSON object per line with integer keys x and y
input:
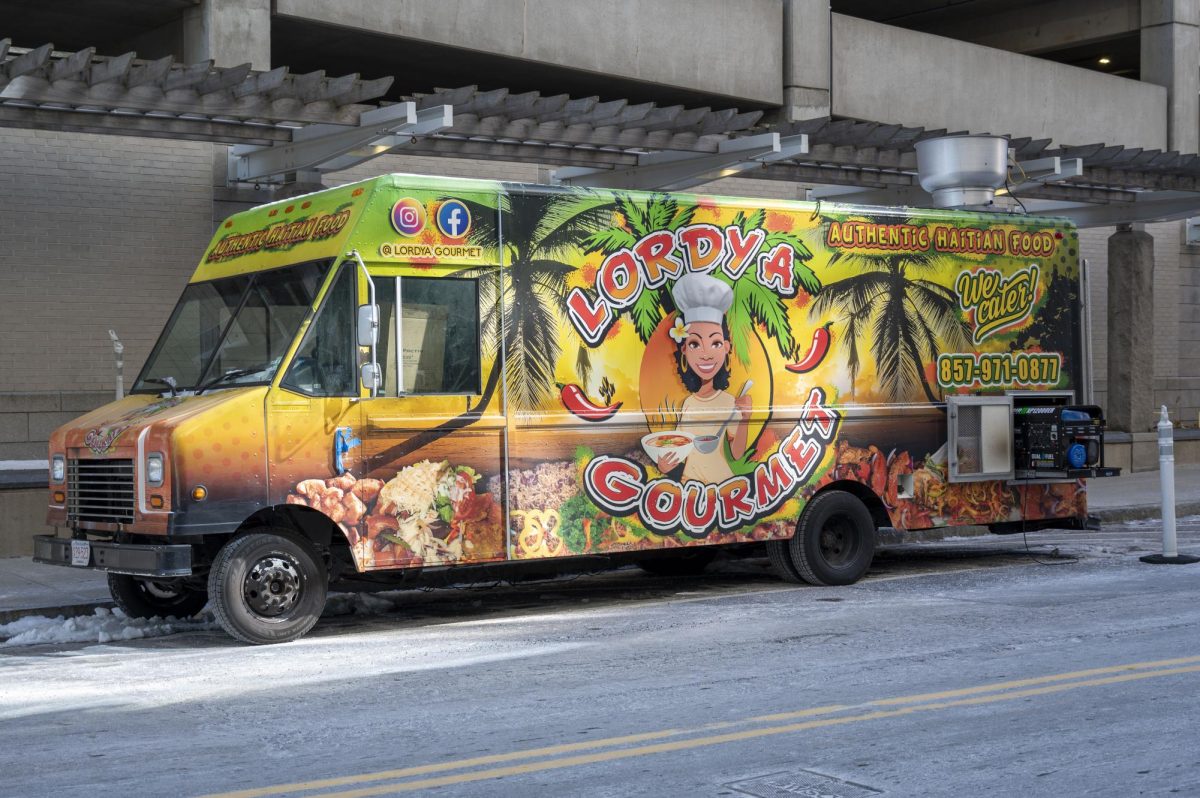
{"x": 1171, "y": 58}
{"x": 806, "y": 59}
{"x": 1130, "y": 406}
{"x": 230, "y": 32}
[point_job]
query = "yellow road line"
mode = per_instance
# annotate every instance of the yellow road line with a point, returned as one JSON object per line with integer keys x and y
{"x": 1130, "y": 671}
{"x": 992, "y": 688}
{"x": 750, "y": 734}
{"x": 491, "y": 759}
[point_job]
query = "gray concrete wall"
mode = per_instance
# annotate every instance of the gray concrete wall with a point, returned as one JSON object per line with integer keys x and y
{"x": 806, "y": 77}
{"x": 1176, "y": 320}
{"x": 887, "y": 74}
{"x": 728, "y": 47}
{"x": 99, "y": 232}
{"x": 229, "y": 32}
{"x": 22, "y": 515}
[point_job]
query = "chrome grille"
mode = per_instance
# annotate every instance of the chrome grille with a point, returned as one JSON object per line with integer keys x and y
{"x": 100, "y": 490}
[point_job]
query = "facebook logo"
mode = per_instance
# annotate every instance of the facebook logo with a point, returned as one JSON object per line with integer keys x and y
{"x": 453, "y": 219}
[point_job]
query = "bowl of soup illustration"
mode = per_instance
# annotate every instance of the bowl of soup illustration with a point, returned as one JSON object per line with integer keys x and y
{"x": 658, "y": 444}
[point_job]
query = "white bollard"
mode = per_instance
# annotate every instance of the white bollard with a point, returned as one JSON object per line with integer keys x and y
{"x": 1166, "y": 477}
{"x": 1166, "y": 480}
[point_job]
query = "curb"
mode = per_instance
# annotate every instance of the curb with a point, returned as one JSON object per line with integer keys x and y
{"x": 1140, "y": 512}
{"x": 67, "y": 610}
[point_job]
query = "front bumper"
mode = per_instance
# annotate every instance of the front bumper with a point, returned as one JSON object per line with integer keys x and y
{"x": 135, "y": 559}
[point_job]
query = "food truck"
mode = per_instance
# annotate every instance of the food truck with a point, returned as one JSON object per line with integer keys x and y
{"x": 412, "y": 374}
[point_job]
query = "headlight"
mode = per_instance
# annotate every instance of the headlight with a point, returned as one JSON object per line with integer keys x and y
{"x": 154, "y": 469}
{"x": 58, "y": 468}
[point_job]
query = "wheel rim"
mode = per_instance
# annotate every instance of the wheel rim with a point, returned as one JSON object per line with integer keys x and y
{"x": 272, "y": 586}
{"x": 838, "y": 541}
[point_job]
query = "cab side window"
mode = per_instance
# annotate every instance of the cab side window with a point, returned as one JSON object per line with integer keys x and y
{"x": 326, "y": 362}
{"x": 438, "y": 336}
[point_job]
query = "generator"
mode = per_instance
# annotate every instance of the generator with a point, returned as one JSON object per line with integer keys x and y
{"x": 1059, "y": 441}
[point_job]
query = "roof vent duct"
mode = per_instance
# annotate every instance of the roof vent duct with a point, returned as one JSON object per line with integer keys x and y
{"x": 962, "y": 171}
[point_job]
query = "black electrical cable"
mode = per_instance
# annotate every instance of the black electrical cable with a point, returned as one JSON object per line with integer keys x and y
{"x": 1008, "y": 186}
{"x": 1024, "y": 523}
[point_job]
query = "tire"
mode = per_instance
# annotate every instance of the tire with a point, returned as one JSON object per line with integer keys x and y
{"x": 267, "y": 587}
{"x": 148, "y": 598}
{"x": 834, "y": 541}
{"x": 781, "y": 561}
{"x": 682, "y": 563}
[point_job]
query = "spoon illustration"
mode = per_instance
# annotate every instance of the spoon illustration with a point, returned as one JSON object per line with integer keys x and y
{"x": 707, "y": 444}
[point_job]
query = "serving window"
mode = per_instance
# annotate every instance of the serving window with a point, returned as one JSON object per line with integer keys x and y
{"x": 431, "y": 347}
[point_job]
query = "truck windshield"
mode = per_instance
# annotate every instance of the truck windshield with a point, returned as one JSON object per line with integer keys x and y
{"x": 240, "y": 326}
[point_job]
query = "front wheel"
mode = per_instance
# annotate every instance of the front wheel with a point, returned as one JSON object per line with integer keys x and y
{"x": 267, "y": 588}
{"x": 147, "y": 598}
{"x": 834, "y": 541}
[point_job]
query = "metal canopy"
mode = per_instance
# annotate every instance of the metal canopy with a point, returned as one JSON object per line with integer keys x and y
{"x": 333, "y": 147}
{"x": 669, "y": 170}
{"x": 44, "y": 89}
{"x": 326, "y": 124}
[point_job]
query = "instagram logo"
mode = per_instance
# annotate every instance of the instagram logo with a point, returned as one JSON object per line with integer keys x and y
{"x": 408, "y": 216}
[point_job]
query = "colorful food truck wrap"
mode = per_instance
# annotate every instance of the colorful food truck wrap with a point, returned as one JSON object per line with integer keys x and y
{"x": 572, "y": 372}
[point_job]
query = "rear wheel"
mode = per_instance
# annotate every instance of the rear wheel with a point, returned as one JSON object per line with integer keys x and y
{"x": 147, "y": 598}
{"x": 834, "y": 541}
{"x": 781, "y": 561}
{"x": 267, "y": 588}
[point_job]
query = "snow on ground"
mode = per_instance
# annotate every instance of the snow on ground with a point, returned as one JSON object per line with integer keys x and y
{"x": 106, "y": 626}
{"x": 102, "y": 626}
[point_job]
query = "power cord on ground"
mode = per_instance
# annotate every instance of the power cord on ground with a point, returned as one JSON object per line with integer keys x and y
{"x": 1024, "y": 522}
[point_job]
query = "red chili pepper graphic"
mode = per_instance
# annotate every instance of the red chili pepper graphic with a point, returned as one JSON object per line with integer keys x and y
{"x": 575, "y": 400}
{"x": 822, "y": 338}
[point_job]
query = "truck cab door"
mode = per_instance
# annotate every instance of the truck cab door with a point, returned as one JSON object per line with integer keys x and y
{"x": 313, "y": 414}
{"x": 434, "y": 435}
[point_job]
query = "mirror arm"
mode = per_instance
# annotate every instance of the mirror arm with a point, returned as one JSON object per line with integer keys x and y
{"x": 370, "y": 300}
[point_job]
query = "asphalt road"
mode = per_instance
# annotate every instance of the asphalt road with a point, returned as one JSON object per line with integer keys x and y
{"x": 961, "y": 668}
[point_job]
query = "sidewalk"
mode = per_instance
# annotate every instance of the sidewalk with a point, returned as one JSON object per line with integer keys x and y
{"x": 28, "y": 588}
{"x": 1138, "y": 495}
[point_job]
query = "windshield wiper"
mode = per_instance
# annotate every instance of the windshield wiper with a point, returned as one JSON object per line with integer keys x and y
{"x": 232, "y": 373}
{"x": 172, "y": 386}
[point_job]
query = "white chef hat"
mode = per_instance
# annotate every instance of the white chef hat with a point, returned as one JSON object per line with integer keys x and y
{"x": 702, "y": 298}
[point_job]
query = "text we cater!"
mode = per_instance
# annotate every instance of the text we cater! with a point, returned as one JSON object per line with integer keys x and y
{"x": 410, "y": 374}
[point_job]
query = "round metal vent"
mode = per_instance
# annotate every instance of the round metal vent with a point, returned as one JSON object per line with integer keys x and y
{"x": 962, "y": 171}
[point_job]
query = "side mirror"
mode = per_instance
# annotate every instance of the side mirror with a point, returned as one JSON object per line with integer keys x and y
{"x": 368, "y": 325}
{"x": 371, "y": 376}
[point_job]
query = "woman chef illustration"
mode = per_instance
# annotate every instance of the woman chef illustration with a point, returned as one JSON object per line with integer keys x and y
{"x": 702, "y": 359}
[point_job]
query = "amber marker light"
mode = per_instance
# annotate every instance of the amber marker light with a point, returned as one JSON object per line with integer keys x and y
{"x": 156, "y": 502}
{"x": 59, "y": 497}
{"x": 199, "y": 493}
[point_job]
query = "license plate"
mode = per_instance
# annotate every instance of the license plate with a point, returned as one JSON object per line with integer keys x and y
{"x": 81, "y": 552}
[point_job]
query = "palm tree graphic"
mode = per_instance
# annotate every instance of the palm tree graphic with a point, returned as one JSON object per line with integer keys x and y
{"x": 541, "y": 231}
{"x": 910, "y": 319}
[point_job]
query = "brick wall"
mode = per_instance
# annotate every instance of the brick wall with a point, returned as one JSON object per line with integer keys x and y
{"x": 99, "y": 232}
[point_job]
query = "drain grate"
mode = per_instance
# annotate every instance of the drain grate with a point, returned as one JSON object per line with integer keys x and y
{"x": 804, "y": 783}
